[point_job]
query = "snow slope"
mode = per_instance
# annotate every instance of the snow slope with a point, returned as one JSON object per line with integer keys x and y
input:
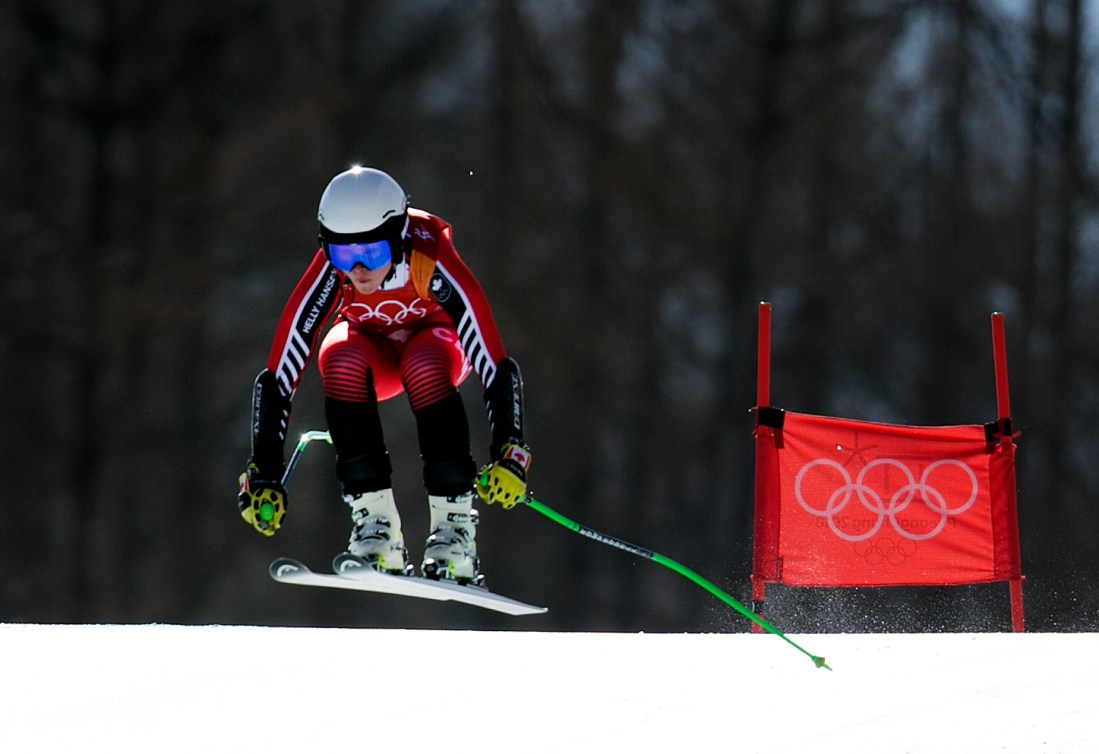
{"x": 245, "y": 689}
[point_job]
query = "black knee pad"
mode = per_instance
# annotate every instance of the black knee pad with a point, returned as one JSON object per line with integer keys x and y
{"x": 449, "y": 478}
{"x": 364, "y": 473}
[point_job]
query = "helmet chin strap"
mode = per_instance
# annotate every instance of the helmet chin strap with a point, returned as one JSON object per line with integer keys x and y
{"x": 402, "y": 253}
{"x": 392, "y": 272}
{"x": 403, "y": 248}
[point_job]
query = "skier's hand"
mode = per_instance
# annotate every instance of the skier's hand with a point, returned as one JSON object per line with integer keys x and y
{"x": 504, "y": 481}
{"x": 262, "y": 500}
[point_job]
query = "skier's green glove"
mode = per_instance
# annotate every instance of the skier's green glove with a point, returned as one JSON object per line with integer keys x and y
{"x": 262, "y": 501}
{"x": 504, "y": 481}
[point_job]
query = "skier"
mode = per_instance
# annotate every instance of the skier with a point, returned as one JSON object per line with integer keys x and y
{"x": 410, "y": 318}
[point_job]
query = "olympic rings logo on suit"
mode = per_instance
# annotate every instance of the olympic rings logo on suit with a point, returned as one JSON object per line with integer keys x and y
{"x": 875, "y": 504}
{"x": 360, "y": 313}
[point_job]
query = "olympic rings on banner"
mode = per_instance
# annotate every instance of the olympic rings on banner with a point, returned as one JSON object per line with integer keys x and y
{"x": 874, "y": 503}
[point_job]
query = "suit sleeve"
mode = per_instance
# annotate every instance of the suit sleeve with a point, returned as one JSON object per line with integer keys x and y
{"x": 313, "y": 300}
{"x": 458, "y": 292}
{"x": 311, "y": 303}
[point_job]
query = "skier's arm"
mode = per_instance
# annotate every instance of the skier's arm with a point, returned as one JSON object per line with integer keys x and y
{"x": 309, "y": 306}
{"x": 262, "y": 499}
{"x": 503, "y": 480}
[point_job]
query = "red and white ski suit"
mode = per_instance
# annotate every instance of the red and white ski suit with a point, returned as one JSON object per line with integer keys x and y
{"x": 422, "y": 332}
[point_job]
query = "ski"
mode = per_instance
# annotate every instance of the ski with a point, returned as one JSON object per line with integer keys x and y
{"x": 352, "y": 573}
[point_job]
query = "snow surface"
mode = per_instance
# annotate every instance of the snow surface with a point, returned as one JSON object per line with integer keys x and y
{"x": 163, "y": 688}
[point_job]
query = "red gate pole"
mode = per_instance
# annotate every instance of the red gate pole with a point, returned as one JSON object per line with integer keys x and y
{"x": 763, "y": 358}
{"x": 999, "y": 355}
{"x": 763, "y": 400}
{"x": 1003, "y": 409}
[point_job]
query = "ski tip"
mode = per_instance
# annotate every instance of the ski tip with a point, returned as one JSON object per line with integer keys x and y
{"x": 282, "y": 567}
{"x": 345, "y": 561}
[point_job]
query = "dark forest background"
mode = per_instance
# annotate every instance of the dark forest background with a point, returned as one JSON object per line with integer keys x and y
{"x": 627, "y": 180}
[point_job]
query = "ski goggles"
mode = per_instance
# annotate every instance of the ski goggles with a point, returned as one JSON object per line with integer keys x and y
{"x": 372, "y": 256}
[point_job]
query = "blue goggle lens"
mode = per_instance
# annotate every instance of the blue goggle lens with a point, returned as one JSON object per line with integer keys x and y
{"x": 372, "y": 256}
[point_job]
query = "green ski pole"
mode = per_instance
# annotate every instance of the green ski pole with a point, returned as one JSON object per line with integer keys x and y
{"x": 303, "y": 443}
{"x": 311, "y": 436}
{"x": 679, "y": 568}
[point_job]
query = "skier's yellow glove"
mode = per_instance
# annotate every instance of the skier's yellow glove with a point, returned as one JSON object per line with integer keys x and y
{"x": 262, "y": 502}
{"x": 504, "y": 481}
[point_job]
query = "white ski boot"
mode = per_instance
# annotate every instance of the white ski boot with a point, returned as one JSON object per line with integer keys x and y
{"x": 451, "y": 550}
{"x": 376, "y": 537}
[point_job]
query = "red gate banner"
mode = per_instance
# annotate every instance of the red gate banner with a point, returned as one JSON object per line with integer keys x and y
{"x": 841, "y": 502}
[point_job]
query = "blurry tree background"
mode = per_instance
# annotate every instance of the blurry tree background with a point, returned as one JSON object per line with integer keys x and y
{"x": 628, "y": 180}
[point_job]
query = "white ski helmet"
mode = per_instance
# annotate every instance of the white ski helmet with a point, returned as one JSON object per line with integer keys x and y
{"x": 362, "y": 205}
